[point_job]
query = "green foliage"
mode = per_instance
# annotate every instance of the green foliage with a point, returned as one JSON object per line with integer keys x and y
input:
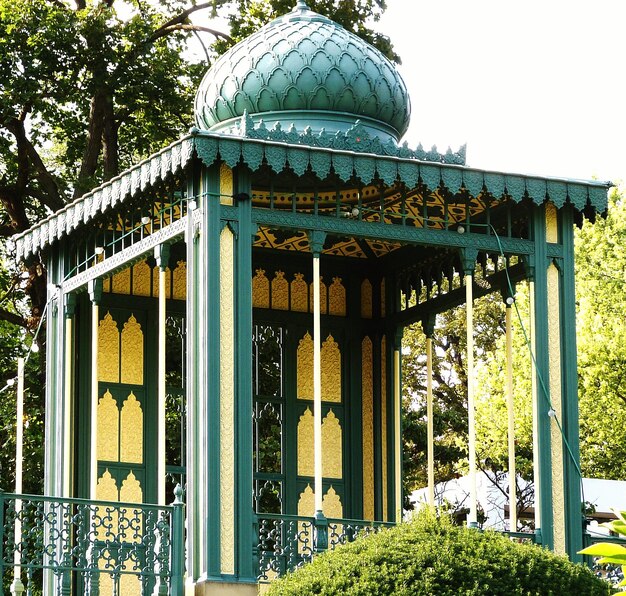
{"x": 610, "y": 552}
{"x": 431, "y": 556}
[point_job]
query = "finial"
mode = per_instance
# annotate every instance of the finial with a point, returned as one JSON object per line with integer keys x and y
{"x": 302, "y": 5}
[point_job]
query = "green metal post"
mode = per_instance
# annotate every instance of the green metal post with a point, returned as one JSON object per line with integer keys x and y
{"x": 177, "y": 582}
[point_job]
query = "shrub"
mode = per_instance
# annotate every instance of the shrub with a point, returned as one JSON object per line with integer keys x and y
{"x": 430, "y": 556}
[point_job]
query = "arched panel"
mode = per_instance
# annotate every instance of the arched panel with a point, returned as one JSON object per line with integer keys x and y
{"x": 142, "y": 274}
{"x": 337, "y": 298}
{"x": 108, "y": 428}
{"x": 132, "y": 352}
{"x": 332, "y": 454}
{"x": 367, "y": 397}
{"x": 331, "y": 370}
{"x": 131, "y": 432}
{"x": 305, "y": 367}
{"x": 108, "y": 350}
{"x": 260, "y": 290}
{"x": 280, "y": 291}
{"x": 366, "y": 299}
{"x": 179, "y": 284}
{"x": 306, "y": 451}
{"x": 299, "y": 294}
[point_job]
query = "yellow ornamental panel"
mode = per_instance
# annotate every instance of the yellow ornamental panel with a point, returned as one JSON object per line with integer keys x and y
{"x": 280, "y": 291}
{"x": 331, "y": 504}
{"x": 366, "y": 299}
{"x": 367, "y": 397}
{"x": 106, "y": 490}
{"x": 260, "y": 290}
{"x": 131, "y": 493}
{"x": 131, "y": 435}
{"x": 306, "y": 502}
{"x": 105, "y": 518}
{"x": 121, "y": 282}
{"x": 552, "y": 227}
{"x": 226, "y": 185}
{"x": 323, "y": 297}
{"x": 132, "y": 352}
{"x": 337, "y": 298}
{"x": 306, "y": 451}
{"x": 383, "y": 421}
{"x": 330, "y": 357}
{"x": 142, "y": 274}
{"x": 179, "y": 286}
{"x": 108, "y": 428}
{"x": 332, "y": 454}
{"x": 383, "y": 305}
{"x": 168, "y": 282}
{"x": 106, "y": 285}
{"x": 305, "y": 368}
{"x": 108, "y": 350}
{"x": 299, "y": 294}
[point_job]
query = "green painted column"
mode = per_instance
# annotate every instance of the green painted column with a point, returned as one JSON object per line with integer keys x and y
{"x": 245, "y": 538}
{"x": 574, "y": 517}
{"x": 541, "y": 394}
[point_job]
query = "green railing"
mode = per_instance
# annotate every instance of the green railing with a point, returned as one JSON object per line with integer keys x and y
{"x": 285, "y": 542}
{"x": 73, "y": 546}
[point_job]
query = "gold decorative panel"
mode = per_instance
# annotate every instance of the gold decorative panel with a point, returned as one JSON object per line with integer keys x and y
{"x": 366, "y": 299}
{"x": 299, "y": 294}
{"x": 131, "y": 435}
{"x": 106, "y": 490}
{"x": 108, "y": 350}
{"x": 383, "y": 420}
{"x": 121, "y": 282}
{"x": 556, "y": 440}
{"x": 306, "y": 445}
{"x": 260, "y": 290}
{"x": 332, "y": 460}
{"x": 142, "y": 279}
{"x": 179, "y": 284}
{"x": 132, "y": 352}
{"x": 108, "y": 428}
{"x": 367, "y": 397}
{"x": 337, "y": 298}
{"x": 305, "y": 368}
{"x": 552, "y": 228}
{"x": 280, "y": 291}
{"x": 306, "y": 502}
{"x": 331, "y": 504}
{"x": 330, "y": 357}
{"x": 106, "y": 284}
{"x": 227, "y": 402}
{"x": 383, "y": 305}
{"x": 226, "y": 185}
{"x": 323, "y": 297}
{"x": 168, "y": 282}
{"x": 131, "y": 490}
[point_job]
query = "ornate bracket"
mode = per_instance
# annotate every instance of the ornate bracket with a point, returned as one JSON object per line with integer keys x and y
{"x": 468, "y": 260}
{"x": 316, "y": 241}
{"x": 162, "y": 255}
{"x": 94, "y": 287}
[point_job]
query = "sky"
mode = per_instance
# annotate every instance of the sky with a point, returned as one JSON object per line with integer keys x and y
{"x": 533, "y": 87}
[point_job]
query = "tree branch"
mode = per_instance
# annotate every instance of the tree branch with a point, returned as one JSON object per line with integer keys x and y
{"x": 11, "y": 317}
{"x": 182, "y": 17}
{"x": 163, "y": 31}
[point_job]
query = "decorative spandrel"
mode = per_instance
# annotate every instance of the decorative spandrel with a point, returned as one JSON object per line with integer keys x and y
{"x": 108, "y": 428}
{"x": 260, "y": 290}
{"x": 280, "y": 291}
{"x": 142, "y": 279}
{"x": 179, "y": 283}
{"x": 132, "y": 352}
{"x": 299, "y": 294}
{"x": 330, "y": 357}
{"x": 121, "y": 282}
{"x": 108, "y": 350}
{"x": 306, "y": 447}
{"x": 305, "y": 367}
{"x": 131, "y": 431}
{"x": 332, "y": 452}
{"x": 337, "y": 298}
{"x": 367, "y": 399}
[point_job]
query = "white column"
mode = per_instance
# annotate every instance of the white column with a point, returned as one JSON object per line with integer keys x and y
{"x": 511, "y": 417}
{"x": 471, "y": 406}
{"x": 534, "y": 391}
{"x": 17, "y": 587}
{"x": 430, "y": 425}
{"x": 67, "y": 409}
{"x": 397, "y": 427}
{"x": 317, "y": 383}
{"x": 93, "y": 477}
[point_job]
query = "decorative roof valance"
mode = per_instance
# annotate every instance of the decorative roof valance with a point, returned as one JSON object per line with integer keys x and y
{"x": 346, "y": 164}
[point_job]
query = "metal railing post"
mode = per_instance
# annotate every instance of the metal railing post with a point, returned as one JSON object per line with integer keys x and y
{"x": 321, "y": 532}
{"x": 177, "y": 581}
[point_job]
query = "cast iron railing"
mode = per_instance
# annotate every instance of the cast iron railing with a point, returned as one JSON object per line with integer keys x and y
{"x": 63, "y": 546}
{"x": 286, "y": 542}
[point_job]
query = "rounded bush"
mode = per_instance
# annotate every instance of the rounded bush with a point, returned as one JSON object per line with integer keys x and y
{"x": 430, "y": 556}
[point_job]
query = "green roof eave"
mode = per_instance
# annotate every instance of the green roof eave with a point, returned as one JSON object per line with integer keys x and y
{"x": 581, "y": 194}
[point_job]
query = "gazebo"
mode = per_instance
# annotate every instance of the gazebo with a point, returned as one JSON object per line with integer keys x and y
{"x": 227, "y": 315}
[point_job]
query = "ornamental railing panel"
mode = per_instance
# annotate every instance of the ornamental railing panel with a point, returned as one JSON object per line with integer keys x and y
{"x": 286, "y": 542}
{"x": 70, "y": 546}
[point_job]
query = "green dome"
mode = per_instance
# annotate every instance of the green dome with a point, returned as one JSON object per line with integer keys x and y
{"x": 306, "y": 70}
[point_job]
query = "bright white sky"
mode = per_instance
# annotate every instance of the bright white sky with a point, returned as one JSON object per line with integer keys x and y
{"x": 533, "y": 86}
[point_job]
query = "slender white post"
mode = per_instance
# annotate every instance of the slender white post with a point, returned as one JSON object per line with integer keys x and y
{"x": 95, "y": 318}
{"x": 67, "y": 409}
{"x": 472, "y": 520}
{"x": 317, "y": 383}
{"x": 161, "y": 388}
{"x": 511, "y": 416}
{"x": 17, "y": 587}
{"x": 430, "y": 425}
{"x": 534, "y": 390}
{"x": 397, "y": 439}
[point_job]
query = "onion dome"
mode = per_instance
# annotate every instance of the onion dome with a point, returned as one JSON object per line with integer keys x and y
{"x": 303, "y": 69}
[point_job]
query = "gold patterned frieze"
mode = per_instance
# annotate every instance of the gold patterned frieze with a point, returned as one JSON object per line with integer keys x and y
{"x": 280, "y": 291}
{"x": 131, "y": 431}
{"x": 142, "y": 279}
{"x": 366, "y": 299}
{"x": 332, "y": 452}
{"x": 108, "y": 350}
{"x": 226, "y": 185}
{"x": 121, "y": 282}
{"x": 132, "y": 352}
{"x": 367, "y": 397}
{"x": 305, "y": 368}
{"x": 108, "y": 428}
{"x": 260, "y": 290}
{"x": 299, "y": 294}
{"x": 337, "y": 298}
{"x": 179, "y": 283}
{"x": 330, "y": 357}
{"x": 306, "y": 448}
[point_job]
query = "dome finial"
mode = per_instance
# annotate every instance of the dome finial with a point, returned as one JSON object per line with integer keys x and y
{"x": 301, "y": 5}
